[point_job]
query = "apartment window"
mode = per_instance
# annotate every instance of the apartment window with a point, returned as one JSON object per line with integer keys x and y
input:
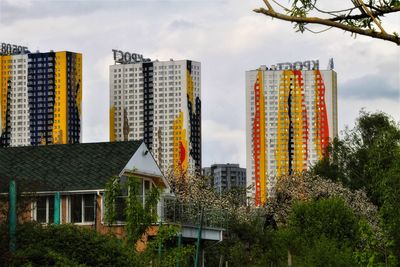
{"x": 43, "y": 211}
{"x": 82, "y": 208}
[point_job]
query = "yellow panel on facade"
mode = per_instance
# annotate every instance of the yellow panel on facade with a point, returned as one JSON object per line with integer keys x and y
{"x": 5, "y": 75}
{"x": 180, "y": 155}
{"x": 112, "y": 124}
{"x": 281, "y": 152}
{"x": 189, "y": 86}
{"x": 60, "y": 125}
{"x": 297, "y": 122}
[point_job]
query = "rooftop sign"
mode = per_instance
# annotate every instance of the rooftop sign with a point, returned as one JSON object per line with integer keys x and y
{"x": 10, "y": 49}
{"x": 298, "y": 65}
{"x": 128, "y": 58}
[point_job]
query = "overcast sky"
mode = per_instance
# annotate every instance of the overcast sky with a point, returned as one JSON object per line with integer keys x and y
{"x": 225, "y": 36}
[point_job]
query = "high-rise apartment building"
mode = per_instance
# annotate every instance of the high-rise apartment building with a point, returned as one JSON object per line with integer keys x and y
{"x": 224, "y": 177}
{"x": 158, "y": 101}
{"x": 291, "y": 115}
{"x": 40, "y": 98}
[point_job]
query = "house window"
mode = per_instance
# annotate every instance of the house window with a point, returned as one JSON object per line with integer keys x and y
{"x": 82, "y": 208}
{"x": 120, "y": 205}
{"x": 120, "y": 202}
{"x": 43, "y": 211}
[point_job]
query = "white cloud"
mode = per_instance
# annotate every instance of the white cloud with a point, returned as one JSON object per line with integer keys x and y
{"x": 349, "y": 109}
{"x": 19, "y": 3}
{"x": 222, "y": 143}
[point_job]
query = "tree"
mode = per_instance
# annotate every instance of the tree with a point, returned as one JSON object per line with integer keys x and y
{"x": 67, "y": 245}
{"x": 358, "y": 17}
{"x": 365, "y": 156}
{"x": 139, "y": 218}
{"x": 322, "y": 233}
{"x": 369, "y": 158}
{"x": 307, "y": 187}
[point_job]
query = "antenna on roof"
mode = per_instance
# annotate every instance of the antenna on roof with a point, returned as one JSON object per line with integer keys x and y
{"x": 331, "y": 65}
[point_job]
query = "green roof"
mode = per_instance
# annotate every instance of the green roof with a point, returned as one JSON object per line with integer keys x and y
{"x": 64, "y": 167}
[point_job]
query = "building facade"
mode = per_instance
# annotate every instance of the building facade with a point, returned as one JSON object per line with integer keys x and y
{"x": 159, "y": 102}
{"x": 224, "y": 177}
{"x": 291, "y": 115}
{"x": 40, "y": 98}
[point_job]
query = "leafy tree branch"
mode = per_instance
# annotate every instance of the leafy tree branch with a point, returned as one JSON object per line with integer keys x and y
{"x": 305, "y": 12}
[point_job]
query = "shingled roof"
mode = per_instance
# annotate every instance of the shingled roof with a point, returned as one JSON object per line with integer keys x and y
{"x": 64, "y": 167}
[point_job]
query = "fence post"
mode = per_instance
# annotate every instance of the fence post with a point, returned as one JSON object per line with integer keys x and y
{"x": 12, "y": 219}
{"x": 196, "y": 262}
{"x": 160, "y": 244}
{"x": 57, "y": 199}
{"x": 179, "y": 247}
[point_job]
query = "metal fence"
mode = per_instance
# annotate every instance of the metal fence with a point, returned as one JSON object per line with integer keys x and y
{"x": 175, "y": 212}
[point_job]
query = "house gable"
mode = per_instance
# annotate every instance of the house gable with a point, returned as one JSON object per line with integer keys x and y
{"x": 143, "y": 162}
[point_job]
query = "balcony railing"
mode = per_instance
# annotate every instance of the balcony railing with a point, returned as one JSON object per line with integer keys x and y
{"x": 173, "y": 212}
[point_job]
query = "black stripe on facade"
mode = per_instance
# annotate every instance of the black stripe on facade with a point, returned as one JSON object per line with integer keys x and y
{"x": 73, "y": 87}
{"x": 195, "y": 126}
{"x": 41, "y": 95}
{"x": 148, "y": 103}
{"x": 291, "y": 130}
{"x": 6, "y": 135}
{"x": 195, "y": 137}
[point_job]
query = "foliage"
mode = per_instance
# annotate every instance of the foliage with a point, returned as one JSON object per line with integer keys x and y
{"x": 373, "y": 247}
{"x": 329, "y": 217}
{"x": 67, "y": 245}
{"x": 196, "y": 191}
{"x": 353, "y": 16}
{"x": 139, "y": 217}
{"x": 364, "y": 155}
{"x": 111, "y": 192}
{"x": 260, "y": 236}
{"x": 247, "y": 243}
{"x": 70, "y": 245}
{"x": 317, "y": 232}
{"x": 390, "y": 210}
{"x": 322, "y": 233}
{"x": 369, "y": 158}
{"x": 163, "y": 250}
{"x": 306, "y": 187}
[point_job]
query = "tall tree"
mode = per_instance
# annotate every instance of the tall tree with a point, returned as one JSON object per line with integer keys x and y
{"x": 365, "y": 155}
{"x": 369, "y": 157}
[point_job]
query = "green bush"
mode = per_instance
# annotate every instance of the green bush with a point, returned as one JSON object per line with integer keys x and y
{"x": 67, "y": 245}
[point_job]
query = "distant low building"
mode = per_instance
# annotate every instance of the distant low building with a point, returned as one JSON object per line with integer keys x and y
{"x": 224, "y": 177}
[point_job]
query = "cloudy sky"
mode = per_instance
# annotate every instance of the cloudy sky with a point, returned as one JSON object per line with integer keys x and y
{"x": 224, "y": 35}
